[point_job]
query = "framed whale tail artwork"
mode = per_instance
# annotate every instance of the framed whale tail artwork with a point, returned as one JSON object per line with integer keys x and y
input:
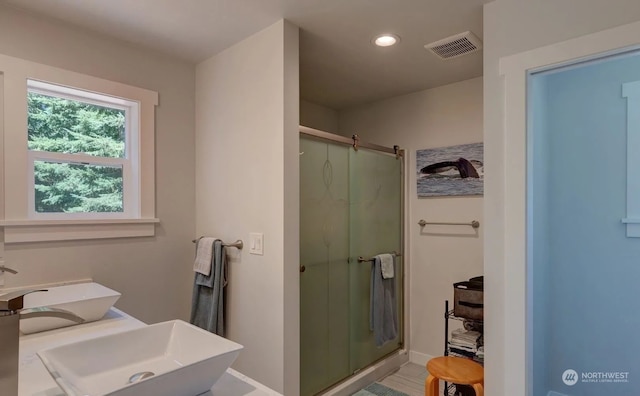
{"x": 451, "y": 171}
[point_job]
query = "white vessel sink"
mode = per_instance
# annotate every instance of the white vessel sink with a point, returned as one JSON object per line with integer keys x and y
{"x": 90, "y": 301}
{"x": 184, "y": 359}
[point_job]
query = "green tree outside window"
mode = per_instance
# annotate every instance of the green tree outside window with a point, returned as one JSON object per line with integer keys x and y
{"x": 66, "y": 126}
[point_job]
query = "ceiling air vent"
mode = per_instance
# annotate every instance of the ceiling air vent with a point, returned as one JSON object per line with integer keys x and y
{"x": 455, "y": 46}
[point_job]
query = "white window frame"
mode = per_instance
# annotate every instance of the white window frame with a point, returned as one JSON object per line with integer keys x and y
{"x": 129, "y": 162}
{"x": 18, "y": 219}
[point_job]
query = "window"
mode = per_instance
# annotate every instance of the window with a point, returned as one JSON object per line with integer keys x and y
{"x": 77, "y": 157}
{"x": 82, "y": 156}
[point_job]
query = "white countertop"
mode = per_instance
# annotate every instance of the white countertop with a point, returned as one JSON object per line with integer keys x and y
{"x": 35, "y": 379}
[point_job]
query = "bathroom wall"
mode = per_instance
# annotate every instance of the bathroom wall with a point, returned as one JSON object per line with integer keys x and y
{"x": 438, "y": 255}
{"x": 510, "y": 27}
{"x": 153, "y": 274}
{"x": 320, "y": 117}
{"x": 247, "y": 116}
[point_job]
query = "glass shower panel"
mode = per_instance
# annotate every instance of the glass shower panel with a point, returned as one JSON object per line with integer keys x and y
{"x": 583, "y": 269}
{"x": 375, "y": 181}
{"x": 324, "y": 253}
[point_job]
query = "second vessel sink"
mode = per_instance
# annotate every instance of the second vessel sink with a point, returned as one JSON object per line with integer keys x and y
{"x": 90, "y": 301}
{"x": 171, "y": 358}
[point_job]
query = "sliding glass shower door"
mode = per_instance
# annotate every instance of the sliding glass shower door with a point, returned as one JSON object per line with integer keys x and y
{"x": 324, "y": 277}
{"x": 375, "y": 222}
{"x": 350, "y": 207}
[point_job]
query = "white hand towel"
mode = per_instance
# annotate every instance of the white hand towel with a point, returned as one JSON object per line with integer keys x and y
{"x": 386, "y": 265}
{"x": 204, "y": 250}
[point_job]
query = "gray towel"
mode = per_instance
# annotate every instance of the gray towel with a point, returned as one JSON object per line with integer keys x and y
{"x": 207, "y": 302}
{"x": 383, "y": 312}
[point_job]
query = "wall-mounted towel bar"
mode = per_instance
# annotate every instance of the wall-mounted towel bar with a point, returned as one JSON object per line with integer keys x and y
{"x": 368, "y": 260}
{"x": 474, "y": 223}
{"x": 237, "y": 244}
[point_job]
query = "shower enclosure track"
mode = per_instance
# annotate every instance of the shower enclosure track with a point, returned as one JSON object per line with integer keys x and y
{"x": 353, "y": 141}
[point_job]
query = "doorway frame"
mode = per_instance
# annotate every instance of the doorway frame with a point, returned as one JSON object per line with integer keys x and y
{"x": 508, "y": 365}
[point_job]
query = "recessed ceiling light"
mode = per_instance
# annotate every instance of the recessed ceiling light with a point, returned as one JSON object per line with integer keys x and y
{"x": 386, "y": 40}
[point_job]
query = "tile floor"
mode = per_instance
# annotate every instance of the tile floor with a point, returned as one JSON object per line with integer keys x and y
{"x": 408, "y": 379}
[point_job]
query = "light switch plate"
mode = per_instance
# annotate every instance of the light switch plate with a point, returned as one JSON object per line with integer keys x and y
{"x": 256, "y": 243}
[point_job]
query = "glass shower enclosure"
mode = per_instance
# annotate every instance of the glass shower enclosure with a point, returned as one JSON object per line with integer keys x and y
{"x": 350, "y": 208}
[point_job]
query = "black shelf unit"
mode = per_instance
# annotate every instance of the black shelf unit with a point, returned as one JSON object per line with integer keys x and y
{"x": 450, "y": 389}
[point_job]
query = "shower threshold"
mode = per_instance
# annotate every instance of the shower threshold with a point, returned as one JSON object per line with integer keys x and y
{"x": 369, "y": 374}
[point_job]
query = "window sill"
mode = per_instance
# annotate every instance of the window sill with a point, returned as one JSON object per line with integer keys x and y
{"x": 18, "y": 231}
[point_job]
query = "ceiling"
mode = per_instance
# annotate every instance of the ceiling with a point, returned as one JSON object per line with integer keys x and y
{"x": 339, "y": 67}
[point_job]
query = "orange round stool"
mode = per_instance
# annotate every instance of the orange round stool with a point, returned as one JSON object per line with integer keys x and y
{"x": 455, "y": 370}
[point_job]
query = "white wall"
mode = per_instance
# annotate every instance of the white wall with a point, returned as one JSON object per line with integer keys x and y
{"x": 438, "y": 256}
{"x": 315, "y": 116}
{"x": 510, "y": 27}
{"x": 153, "y": 274}
{"x": 247, "y": 181}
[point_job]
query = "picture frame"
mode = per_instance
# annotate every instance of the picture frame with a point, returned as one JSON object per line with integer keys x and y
{"x": 450, "y": 171}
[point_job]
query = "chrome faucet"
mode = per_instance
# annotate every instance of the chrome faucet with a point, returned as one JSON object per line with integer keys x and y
{"x": 7, "y": 269}
{"x": 11, "y": 312}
